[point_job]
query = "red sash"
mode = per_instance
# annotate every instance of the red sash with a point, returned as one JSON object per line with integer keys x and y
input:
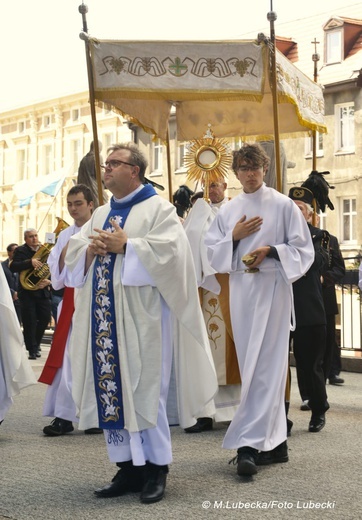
{"x": 56, "y": 354}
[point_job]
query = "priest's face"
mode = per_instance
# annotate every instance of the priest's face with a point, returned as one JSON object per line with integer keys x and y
{"x": 120, "y": 175}
{"x": 251, "y": 177}
{"x": 217, "y": 191}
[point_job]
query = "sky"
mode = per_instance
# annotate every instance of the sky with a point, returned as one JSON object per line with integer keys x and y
{"x": 42, "y": 56}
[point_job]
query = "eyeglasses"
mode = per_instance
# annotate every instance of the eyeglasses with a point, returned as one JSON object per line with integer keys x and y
{"x": 246, "y": 168}
{"x": 115, "y": 164}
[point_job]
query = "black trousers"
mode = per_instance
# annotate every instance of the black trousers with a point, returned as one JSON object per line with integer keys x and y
{"x": 35, "y": 313}
{"x": 309, "y": 347}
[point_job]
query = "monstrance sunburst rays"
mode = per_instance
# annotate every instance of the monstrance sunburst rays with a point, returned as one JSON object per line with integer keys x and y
{"x": 207, "y": 159}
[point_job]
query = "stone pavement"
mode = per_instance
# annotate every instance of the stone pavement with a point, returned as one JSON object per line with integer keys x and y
{"x": 54, "y": 478}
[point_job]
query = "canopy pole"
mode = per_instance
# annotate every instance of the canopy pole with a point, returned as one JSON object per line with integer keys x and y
{"x": 272, "y": 16}
{"x": 315, "y": 58}
{"x": 83, "y": 9}
{"x": 168, "y": 154}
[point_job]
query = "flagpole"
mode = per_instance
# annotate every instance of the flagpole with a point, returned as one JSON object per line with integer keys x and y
{"x": 83, "y": 9}
{"x": 272, "y": 16}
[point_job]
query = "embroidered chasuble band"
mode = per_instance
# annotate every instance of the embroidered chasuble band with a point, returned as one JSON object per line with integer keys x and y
{"x": 105, "y": 355}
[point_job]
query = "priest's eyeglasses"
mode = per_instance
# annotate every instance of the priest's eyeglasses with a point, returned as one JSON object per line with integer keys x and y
{"x": 115, "y": 164}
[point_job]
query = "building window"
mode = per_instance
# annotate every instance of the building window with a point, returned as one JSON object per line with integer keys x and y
{"x": 157, "y": 156}
{"x": 75, "y": 153}
{"x": 75, "y": 115}
{"x": 21, "y": 229}
{"x": 349, "y": 216}
{"x": 48, "y": 164}
{"x": 181, "y": 155}
{"x": 20, "y": 165}
{"x": 334, "y": 46}
{"x": 344, "y": 127}
{"x": 309, "y": 145}
{"x": 21, "y": 127}
{"x": 108, "y": 139}
{"x": 47, "y": 120}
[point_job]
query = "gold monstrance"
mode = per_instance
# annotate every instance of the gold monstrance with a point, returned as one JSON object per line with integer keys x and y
{"x": 207, "y": 159}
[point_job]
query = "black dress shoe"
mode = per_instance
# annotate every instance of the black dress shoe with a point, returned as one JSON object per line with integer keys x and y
{"x": 154, "y": 488}
{"x": 246, "y": 461}
{"x": 93, "y": 431}
{"x": 336, "y": 380}
{"x": 203, "y": 424}
{"x": 32, "y": 355}
{"x": 317, "y": 423}
{"x": 289, "y": 427}
{"x": 58, "y": 427}
{"x": 129, "y": 479}
{"x": 275, "y": 456}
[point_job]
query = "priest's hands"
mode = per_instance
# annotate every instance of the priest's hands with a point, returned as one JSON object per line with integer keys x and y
{"x": 244, "y": 228}
{"x": 108, "y": 242}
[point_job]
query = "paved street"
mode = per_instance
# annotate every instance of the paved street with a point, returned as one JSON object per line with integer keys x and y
{"x": 53, "y": 478}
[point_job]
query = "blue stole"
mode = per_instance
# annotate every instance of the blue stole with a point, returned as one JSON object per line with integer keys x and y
{"x": 105, "y": 356}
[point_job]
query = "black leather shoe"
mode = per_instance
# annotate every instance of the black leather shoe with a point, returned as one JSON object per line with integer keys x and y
{"x": 129, "y": 479}
{"x": 203, "y": 424}
{"x": 58, "y": 427}
{"x": 336, "y": 380}
{"x": 32, "y": 356}
{"x": 93, "y": 431}
{"x": 317, "y": 423}
{"x": 155, "y": 485}
{"x": 246, "y": 461}
{"x": 275, "y": 456}
{"x": 289, "y": 427}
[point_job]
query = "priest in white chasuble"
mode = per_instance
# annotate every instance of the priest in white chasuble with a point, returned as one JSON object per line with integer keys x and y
{"x": 138, "y": 309}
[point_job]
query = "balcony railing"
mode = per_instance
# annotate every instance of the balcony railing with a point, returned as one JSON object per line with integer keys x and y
{"x": 350, "y": 321}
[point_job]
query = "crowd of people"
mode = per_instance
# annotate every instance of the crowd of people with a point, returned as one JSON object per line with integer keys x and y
{"x": 217, "y": 297}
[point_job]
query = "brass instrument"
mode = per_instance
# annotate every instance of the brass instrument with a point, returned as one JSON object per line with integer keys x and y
{"x": 31, "y": 278}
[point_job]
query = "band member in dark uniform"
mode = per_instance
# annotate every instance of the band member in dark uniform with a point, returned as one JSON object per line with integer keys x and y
{"x": 309, "y": 337}
{"x": 35, "y": 305}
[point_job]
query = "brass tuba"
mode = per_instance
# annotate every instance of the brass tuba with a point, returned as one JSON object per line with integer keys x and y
{"x": 30, "y": 278}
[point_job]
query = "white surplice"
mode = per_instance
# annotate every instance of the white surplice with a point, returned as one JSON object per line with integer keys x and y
{"x": 15, "y": 370}
{"x": 261, "y": 308}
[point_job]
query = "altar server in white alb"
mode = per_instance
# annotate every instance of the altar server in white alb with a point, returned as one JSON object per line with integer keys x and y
{"x": 15, "y": 370}
{"x": 260, "y": 228}
{"x": 139, "y": 307}
{"x": 56, "y": 373}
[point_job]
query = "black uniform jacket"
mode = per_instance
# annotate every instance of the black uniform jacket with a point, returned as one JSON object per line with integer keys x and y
{"x": 308, "y": 298}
